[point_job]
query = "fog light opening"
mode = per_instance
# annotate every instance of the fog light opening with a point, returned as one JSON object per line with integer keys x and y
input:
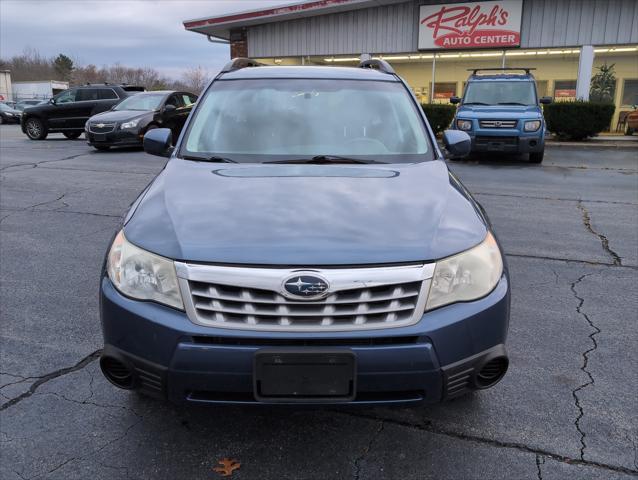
{"x": 117, "y": 372}
{"x": 492, "y": 372}
{"x": 533, "y": 143}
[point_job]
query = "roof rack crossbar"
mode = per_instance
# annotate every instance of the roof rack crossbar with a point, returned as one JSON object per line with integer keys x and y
{"x": 474, "y": 70}
{"x": 240, "y": 62}
{"x": 377, "y": 64}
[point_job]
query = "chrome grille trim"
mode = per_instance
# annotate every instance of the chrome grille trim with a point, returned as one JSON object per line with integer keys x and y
{"x": 251, "y": 298}
{"x": 498, "y": 123}
{"x": 107, "y": 128}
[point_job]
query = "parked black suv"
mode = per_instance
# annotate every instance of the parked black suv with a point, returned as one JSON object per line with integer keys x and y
{"x": 69, "y": 110}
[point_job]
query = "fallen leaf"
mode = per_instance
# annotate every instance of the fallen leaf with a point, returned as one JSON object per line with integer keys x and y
{"x": 228, "y": 466}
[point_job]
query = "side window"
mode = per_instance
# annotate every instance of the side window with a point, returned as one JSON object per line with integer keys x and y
{"x": 174, "y": 100}
{"x": 188, "y": 99}
{"x": 67, "y": 96}
{"x": 107, "y": 94}
{"x": 85, "y": 94}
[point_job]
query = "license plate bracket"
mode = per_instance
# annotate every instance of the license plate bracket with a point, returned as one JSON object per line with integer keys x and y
{"x": 99, "y": 137}
{"x": 316, "y": 375}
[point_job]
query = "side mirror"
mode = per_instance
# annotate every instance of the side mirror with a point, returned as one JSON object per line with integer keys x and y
{"x": 52, "y": 101}
{"x": 545, "y": 100}
{"x": 169, "y": 108}
{"x": 458, "y": 143}
{"x": 158, "y": 142}
{"x": 454, "y": 100}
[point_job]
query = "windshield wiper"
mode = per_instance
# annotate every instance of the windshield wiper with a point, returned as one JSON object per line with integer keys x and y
{"x": 475, "y": 103}
{"x": 208, "y": 158}
{"x": 512, "y": 103}
{"x": 322, "y": 159}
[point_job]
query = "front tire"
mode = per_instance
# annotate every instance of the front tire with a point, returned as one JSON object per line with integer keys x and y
{"x": 72, "y": 135}
{"x": 537, "y": 157}
{"x": 35, "y": 129}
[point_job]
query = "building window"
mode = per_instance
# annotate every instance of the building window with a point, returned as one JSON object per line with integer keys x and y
{"x": 565, "y": 89}
{"x": 443, "y": 91}
{"x": 630, "y": 92}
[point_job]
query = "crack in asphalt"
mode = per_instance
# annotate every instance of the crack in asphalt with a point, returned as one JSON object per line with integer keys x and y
{"x": 553, "y": 199}
{"x": 366, "y": 450}
{"x": 570, "y": 260}
{"x": 585, "y": 355}
{"x": 36, "y": 164}
{"x": 438, "y": 430}
{"x": 50, "y": 376}
{"x": 539, "y": 461}
{"x": 603, "y": 239}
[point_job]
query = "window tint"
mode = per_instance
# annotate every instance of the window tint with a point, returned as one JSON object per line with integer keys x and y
{"x": 188, "y": 99}
{"x": 270, "y": 118}
{"x": 174, "y": 100}
{"x": 107, "y": 94}
{"x": 66, "y": 96}
{"x": 500, "y": 92}
{"x": 86, "y": 94}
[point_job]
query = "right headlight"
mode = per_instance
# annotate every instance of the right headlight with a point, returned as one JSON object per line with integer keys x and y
{"x": 466, "y": 276}
{"x": 143, "y": 275}
{"x": 464, "y": 125}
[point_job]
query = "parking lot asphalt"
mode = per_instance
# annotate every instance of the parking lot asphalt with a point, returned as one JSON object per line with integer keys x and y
{"x": 566, "y": 409}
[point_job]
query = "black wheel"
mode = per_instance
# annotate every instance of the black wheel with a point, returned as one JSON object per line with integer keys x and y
{"x": 35, "y": 129}
{"x": 101, "y": 148}
{"x": 1, "y": 120}
{"x": 72, "y": 135}
{"x": 536, "y": 157}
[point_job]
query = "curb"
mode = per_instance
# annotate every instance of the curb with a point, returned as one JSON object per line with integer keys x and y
{"x": 629, "y": 145}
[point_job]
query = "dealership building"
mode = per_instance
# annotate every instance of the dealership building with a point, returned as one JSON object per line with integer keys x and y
{"x": 432, "y": 44}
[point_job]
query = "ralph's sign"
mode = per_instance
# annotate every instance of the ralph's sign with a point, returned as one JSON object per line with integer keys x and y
{"x": 470, "y": 25}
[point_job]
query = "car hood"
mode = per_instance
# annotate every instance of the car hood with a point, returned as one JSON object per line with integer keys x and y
{"x": 501, "y": 112}
{"x": 119, "y": 115}
{"x": 305, "y": 214}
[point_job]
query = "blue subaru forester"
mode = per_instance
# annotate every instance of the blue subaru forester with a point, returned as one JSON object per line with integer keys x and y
{"x": 305, "y": 243}
{"x": 502, "y": 113}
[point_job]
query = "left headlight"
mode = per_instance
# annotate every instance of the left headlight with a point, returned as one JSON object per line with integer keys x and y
{"x": 131, "y": 124}
{"x": 143, "y": 275}
{"x": 466, "y": 276}
{"x": 532, "y": 126}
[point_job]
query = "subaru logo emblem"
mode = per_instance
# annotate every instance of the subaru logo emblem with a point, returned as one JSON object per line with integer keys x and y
{"x": 305, "y": 286}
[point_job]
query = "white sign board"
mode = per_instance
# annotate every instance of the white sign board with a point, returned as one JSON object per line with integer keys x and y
{"x": 470, "y": 25}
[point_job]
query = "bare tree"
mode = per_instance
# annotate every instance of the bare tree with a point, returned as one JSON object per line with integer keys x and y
{"x": 195, "y": 79}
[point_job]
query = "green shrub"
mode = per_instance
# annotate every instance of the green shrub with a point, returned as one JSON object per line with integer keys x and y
{"x": 578, "y": 119}
{"x": 439, "y": 115}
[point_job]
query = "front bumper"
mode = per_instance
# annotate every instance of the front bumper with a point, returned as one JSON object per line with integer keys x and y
{"x": 436, "y": 358}
{"x": 116, "y": 138}
{"x": 506, "y": 141}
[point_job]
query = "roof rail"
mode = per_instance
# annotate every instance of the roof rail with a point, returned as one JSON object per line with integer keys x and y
{"x": 474, "y": 70}
{"x": 377, "y": 64}
{"x": 240, "y": 62}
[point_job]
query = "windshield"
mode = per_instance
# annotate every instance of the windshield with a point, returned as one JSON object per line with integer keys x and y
{"x": 266, "y": 120}
{"x": 5, "y": 108}
{"x": 141, "y": 102}
{"x": 500, "y": 92}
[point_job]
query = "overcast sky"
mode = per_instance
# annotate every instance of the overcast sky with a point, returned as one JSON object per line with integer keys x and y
{"x": 142, "y": 33}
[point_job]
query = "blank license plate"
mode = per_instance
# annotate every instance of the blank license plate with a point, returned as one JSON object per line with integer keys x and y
{"x": 319, "y": 375}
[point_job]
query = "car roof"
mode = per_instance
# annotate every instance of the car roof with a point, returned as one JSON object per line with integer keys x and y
{"x": 312, "y": 71}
